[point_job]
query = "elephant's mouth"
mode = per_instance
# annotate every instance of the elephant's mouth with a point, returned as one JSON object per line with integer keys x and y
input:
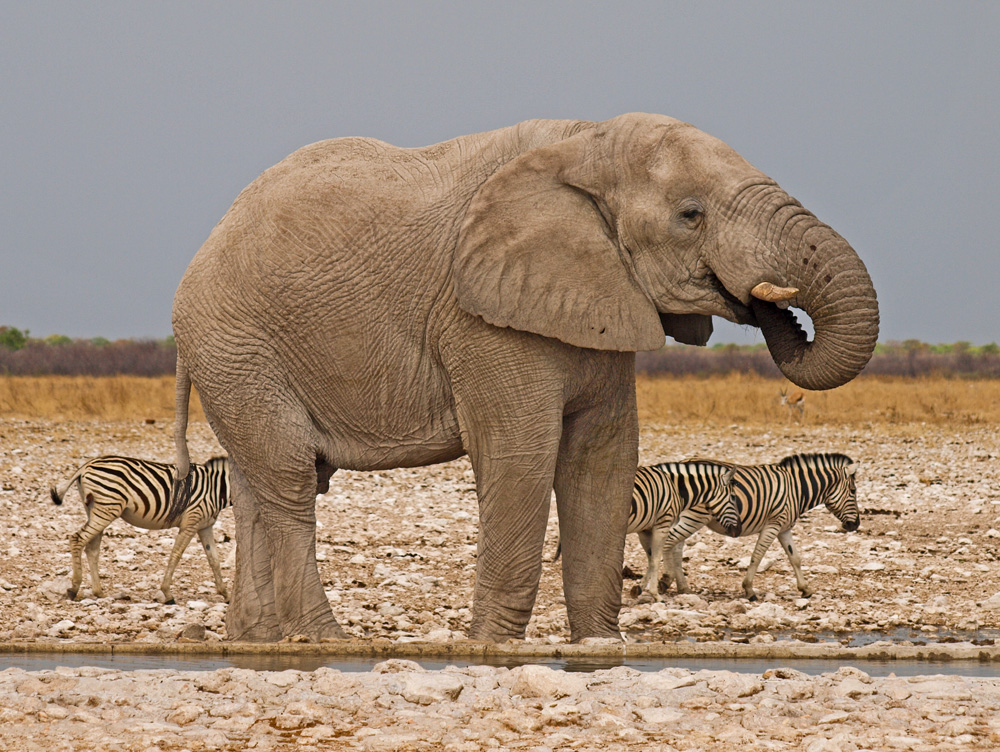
{"x": 738, "y": 312}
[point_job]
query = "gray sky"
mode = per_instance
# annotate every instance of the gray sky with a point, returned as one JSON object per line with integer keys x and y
{"x": 128, "y": 128}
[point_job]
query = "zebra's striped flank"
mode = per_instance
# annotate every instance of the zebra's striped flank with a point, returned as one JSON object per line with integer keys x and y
{"x": 771, "y": 499}
{"x": 139, "y": 491}
{"x": 663, "y": 492}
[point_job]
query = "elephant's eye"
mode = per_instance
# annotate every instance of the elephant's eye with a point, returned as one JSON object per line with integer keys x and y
{"x": 691, "y": 213}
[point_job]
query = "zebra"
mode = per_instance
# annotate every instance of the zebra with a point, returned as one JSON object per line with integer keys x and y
{"x": 662, "y": 493}
{"x": 771, "y": 499}
{"x": 139, "y": 491}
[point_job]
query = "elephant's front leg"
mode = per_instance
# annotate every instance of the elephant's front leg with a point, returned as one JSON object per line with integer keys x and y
{"x": 514, "y": 483}
{"x": 594, "y": 479}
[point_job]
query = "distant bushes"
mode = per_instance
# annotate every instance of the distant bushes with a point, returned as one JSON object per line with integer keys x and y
{"x": 21, "y": 355}
{"x": 58, "y": 355}
{"x": 910, "y": 358}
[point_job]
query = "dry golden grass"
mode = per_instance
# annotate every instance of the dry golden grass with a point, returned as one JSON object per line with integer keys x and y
{"x": 716, "y": 400}
{"x": 81, "y": 397}
{"x": 738, "y": 398}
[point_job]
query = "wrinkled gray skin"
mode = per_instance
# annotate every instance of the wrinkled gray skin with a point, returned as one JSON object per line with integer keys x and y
{"x": 364, "y": 306}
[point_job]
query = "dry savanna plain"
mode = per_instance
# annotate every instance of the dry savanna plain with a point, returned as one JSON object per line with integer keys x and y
{"x": 397, "y": 552}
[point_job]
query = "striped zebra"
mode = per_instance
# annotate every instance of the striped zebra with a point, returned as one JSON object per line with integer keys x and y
{"x": 139, "y": 492}
{"x": 663, "y": 494}
{"x": 771, "y": 499}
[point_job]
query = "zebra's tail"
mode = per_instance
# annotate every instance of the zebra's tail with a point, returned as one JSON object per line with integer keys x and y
{"x": 58, "y": 493}
{"x": 182, "y": 460}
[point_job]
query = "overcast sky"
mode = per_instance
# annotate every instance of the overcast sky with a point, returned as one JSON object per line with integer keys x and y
{"x": 128, "y": 128}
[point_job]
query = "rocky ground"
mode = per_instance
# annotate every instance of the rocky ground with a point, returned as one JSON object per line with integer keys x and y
{"x": 397, "y": 553}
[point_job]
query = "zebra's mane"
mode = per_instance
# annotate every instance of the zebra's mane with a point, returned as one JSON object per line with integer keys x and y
{"x": 684, "y": 465}
{"x": 835, "y": 458}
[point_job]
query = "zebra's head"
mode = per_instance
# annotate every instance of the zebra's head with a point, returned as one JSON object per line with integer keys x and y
{"x": 722, "y": 503}
{"x": 842, "y": 493}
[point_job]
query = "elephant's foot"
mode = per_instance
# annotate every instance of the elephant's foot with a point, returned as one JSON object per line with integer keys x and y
{"x": 254, "y": 633}
{"x": 491, "y": 632}
{"x": 251, "y": 625}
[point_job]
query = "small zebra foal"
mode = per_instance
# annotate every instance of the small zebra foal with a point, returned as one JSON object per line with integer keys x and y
{"x": 771, "y": 499}
{"x": 663, "y": 494}
{"x": 139, "y": 492}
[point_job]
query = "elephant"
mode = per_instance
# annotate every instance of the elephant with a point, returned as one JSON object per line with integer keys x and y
{"x": 365, "y": 307}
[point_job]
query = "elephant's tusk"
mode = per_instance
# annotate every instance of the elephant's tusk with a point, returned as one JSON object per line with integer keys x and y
{"x": 772, "y": 293}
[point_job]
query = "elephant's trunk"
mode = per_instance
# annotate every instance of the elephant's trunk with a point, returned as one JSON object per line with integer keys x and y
{"x": 834, "y": 289}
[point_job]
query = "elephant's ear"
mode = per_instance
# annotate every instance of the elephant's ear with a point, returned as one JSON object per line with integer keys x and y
{"x": 687, "y": 328}
{"x": 536, "y": 254}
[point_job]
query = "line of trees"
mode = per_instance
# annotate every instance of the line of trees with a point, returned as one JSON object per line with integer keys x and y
{"x": 910, "y": 358}
{"x": 22, "y": 355}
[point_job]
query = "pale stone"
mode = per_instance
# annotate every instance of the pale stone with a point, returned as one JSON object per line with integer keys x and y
{"x": 659, "y": 716}
{"x": 852, "y": 687}
{"x": 428, "y": 688}
{"x": 542, "y": 681}
{"x": 185, "y": 714}
{"x": 872, "y": 566}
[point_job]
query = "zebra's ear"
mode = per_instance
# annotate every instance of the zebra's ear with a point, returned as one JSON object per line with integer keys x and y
{"x": 852, "y": 468}
{"x": 728, "y": 475}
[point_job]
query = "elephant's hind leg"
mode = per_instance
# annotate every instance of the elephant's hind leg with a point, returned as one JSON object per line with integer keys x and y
{"x": 278, "y": 592}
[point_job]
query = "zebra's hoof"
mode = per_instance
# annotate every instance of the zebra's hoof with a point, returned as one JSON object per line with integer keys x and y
{"x": 169, "y": 602}
{"x": 71, "y": 593}
{"x": 752, "y": 598}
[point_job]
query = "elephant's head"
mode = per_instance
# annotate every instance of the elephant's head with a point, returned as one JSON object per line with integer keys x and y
{"x": 643, "y": 225}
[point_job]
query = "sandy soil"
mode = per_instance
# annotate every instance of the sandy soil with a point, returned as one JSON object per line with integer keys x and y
{"x": 397, "y": 549}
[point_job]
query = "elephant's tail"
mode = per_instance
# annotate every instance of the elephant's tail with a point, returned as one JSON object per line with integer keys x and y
{"x": 182, "y": 460}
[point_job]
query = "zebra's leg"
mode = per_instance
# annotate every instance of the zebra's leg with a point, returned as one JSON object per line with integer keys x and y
{"x": 208, "y": 543}
{"x": 675, "y": 568}
{"x": 764, "y": 542}
{"x": 646, "y": 541}
{"x": 84, "y": 539}
{"x": 688, "y": 523}
{"x": 785, "y": 539}
{"x": 184, "y": 536}
{"x": 93, "y": 549}
{"x": 76, "y": 556}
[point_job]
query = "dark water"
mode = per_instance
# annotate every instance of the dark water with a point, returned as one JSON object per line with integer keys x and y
{"x": 48, "y": 661}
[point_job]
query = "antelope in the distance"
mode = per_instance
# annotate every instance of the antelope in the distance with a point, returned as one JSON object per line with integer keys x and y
{"x": 795, "y": 402}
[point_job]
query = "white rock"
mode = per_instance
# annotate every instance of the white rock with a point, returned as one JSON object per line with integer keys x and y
{"x": 184, "y": 714}
{"x": 438, "y": 635}
{"x": 659, "y": 716}
{"x": 853, "y": 688}
{"x": 542, "y": 681}
{"x": 60, "y": 628}
{"x": 428, "y": 688}
{"x": 992, "y": 602}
